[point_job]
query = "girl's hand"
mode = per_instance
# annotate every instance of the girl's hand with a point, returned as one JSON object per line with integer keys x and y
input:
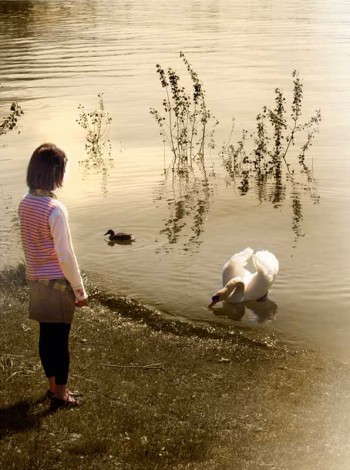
{"x": 81, "y": 303}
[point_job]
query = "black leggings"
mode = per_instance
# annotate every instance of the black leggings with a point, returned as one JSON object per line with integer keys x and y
{"x": 53, "y": 350}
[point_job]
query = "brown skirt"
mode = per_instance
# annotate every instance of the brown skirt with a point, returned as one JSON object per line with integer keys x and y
{"x": 51, "y": 301}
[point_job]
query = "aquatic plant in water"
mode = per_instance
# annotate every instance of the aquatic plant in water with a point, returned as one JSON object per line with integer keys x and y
{"x": 10, "y": 121}
{"x": 263, "y": 161}
{"x": 186, "y": 124}
{"x": 97, "y": 124}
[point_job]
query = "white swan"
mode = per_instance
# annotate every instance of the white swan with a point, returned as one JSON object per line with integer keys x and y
{"x": 240, "y": 285}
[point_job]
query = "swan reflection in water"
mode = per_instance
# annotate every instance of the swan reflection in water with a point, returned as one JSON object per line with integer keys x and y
{"x": 253, "y": 311}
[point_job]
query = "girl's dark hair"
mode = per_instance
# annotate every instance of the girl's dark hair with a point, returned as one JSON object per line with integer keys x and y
{"x": 46, "y": 168}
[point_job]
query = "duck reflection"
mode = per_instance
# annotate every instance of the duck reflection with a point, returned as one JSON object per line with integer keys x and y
{"x": 119, "y": 242}
{"x": 188, "y": 196}
{"x": 252, "y": 312}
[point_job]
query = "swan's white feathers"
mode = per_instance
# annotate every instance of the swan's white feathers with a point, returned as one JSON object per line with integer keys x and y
{"x": 235, "y": 266}
{"x": 239, "y": 284}
{"x": 267, "y": 264}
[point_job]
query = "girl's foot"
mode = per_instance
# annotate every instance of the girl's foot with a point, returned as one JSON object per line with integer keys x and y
{"x": 68, "y": 402}
{"x": 49, "y": 394}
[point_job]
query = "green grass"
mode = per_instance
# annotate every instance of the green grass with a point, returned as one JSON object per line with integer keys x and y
{"x": 262, "y": 407}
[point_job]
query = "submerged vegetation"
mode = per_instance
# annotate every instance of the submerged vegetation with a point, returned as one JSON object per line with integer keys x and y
{"x": 262, "y": 156}
{"x": 97, "y": 124}
{"x": 186, "y": 124}
{"x": 263, "y": 160}
{"x": 260, "y": 160}
{"x": 10, "y": 120}
{"x": 269, "y": 161}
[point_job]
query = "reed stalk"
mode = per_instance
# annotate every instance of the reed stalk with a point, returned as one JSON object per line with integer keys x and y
{"x": 184, "y": 120}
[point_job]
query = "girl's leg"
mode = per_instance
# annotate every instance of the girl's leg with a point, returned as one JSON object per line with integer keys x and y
{"x": 62, "y": 360}
{"x": 52, "y": 384}
{"x": 46, "y": 339}
{"x": 54, "y": 355}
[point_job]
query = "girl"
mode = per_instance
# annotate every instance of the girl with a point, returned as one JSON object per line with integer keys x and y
{"x": 52, "y": 271}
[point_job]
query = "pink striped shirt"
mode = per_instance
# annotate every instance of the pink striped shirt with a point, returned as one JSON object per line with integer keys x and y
{"x": 47, "y": 242}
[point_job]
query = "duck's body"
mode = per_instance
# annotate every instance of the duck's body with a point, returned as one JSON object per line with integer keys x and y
{"x": 119, "y": 236}
{"x": 239, "y": 284}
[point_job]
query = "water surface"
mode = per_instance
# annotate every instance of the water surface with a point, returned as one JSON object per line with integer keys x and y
{"x": 55, "y": 56}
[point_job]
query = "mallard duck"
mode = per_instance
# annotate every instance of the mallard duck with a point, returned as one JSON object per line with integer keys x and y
{"x": 240, "y": 285}
{"x": 120, "y": 236}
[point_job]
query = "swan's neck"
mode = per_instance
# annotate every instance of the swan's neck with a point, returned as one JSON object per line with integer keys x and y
{"x": 235, "y": 290}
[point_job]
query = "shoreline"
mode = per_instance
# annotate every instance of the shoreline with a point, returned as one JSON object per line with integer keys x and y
{"x": 103, "y": 291}
{"x": 167, "y": 395}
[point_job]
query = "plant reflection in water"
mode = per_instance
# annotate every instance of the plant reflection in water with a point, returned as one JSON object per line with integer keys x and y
{"x": 187, "y": 126}
{"x": 98, "y": 147}
{"x": 258, "y": 161}
{"x": 188, "y": 195}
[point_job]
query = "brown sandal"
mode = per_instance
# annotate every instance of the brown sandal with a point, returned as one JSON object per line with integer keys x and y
{"x": 59, "y": 404}
{"x": 49, "y": 395}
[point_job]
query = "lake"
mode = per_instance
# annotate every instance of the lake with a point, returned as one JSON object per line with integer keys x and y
{"x": 56, "y": 56}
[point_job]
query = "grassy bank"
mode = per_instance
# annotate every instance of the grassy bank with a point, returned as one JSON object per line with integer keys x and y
{"x": 163, "y": 395}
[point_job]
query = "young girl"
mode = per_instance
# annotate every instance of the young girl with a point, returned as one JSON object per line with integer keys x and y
{"x": 52, "y": 271}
